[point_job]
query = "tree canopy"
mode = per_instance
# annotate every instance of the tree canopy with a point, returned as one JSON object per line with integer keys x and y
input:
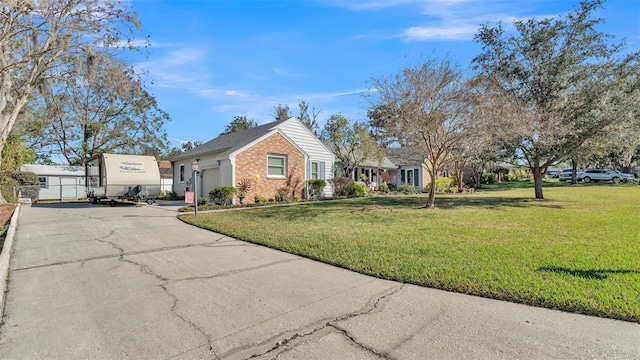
{"x": 239, "y": 122}
{"x": 547, "y": 82}
{"x": 35, "y": 36}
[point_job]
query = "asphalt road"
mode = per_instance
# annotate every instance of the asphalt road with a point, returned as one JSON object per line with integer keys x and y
{"x": 91, "y": 281}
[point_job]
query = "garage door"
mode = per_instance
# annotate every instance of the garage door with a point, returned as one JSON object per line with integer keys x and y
{"x": 210, "y": 179}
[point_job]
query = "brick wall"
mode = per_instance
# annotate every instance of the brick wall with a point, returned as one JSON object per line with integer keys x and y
{"x": 253, "y": 162}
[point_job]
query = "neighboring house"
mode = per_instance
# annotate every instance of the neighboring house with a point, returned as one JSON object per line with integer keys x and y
{"x": 281, "y": 154}
{"x": 59, "y": 182}
{"x": 411, "y": 169}
{"x": 166, "y": 176}
{"x": 372, "y": 169}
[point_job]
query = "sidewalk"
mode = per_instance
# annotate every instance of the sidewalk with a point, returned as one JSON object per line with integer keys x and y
{"x": 91, "y": 281}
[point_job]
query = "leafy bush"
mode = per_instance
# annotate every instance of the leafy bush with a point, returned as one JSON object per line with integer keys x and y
{"x": 259, "y": 199}
{"x": 444, "y": 184}
{"x": 170, "y": 195}
{"x": 364, "y": 177}
{"x": 11, "y": 179}
{"x": 342, "y": 186}
{"x": 281, "y": 196}
{"x": 222, "y": 194}
{"x": 359, "y": 189}
{"x": 203, "y": 201}
{"x": 488, "y": 178}
{"x": 408, "y": 189}
{"x": 315, "y": 188}
{"x": 384, "y": 188}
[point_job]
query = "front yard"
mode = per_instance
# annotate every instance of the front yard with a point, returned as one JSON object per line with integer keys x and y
{"x": 577, "y": 250}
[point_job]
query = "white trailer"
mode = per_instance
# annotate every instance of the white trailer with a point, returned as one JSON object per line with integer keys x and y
{"x": 122, "y": 177}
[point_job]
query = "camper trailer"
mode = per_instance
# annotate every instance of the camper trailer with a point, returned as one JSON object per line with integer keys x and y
{"x": 122, "y": 177}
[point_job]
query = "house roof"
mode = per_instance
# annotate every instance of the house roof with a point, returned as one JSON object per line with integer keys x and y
{"x": 227, "y": 144}
{"x": 404, "y": 157}
{"x": 53, "y": 170}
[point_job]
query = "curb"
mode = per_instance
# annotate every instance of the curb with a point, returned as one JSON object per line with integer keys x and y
{"x": 5, "y": 257}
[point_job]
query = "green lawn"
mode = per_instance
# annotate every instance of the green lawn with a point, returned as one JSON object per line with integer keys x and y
{"x": 577, "y": 250}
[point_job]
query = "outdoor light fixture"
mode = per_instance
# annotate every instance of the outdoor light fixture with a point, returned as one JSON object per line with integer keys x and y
{"x": 196, "y": 170}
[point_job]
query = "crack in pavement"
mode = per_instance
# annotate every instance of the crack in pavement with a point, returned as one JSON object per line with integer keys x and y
{"x": 137, "y": 252}
{"x": 146, "y": 270}
{"x": 237, "y": 271}
{"x": 375, "y": 303}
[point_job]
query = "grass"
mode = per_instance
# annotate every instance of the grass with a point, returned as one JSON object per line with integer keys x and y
{"x": 578, "y": 250}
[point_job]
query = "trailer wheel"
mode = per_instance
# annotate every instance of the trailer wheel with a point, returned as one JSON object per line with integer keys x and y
{"x": 112, "y": 203}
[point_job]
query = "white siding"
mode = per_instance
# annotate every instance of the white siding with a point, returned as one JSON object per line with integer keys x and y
{"x": 300, "y": 135}
{"x": 205, "y": 163}
{"x": 226, "y": 173}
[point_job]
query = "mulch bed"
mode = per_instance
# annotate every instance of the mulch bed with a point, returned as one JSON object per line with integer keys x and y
{"x": 6, "y": 211}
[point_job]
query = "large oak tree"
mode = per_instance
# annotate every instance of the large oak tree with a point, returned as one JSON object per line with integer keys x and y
{"x": 36, "y": 34}
{"x": 546, "y": 81}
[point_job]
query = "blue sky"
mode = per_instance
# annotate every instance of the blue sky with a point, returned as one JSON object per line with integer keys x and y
{"x": 212, "y": 60}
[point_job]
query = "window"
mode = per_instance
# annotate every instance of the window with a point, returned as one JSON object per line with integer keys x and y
{"x": 43, "y": 182}
{"x": 181, "y": 172}
{"x": 315, "y": 170}
{"x": 410, "y": 177}
{"x": 276, "y": 166}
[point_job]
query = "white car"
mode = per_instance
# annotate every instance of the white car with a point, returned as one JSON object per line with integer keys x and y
{"x": 604, "y": 175}
{"x": 565, "y": 174}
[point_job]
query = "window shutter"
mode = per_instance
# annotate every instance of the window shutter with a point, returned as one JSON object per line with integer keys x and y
{"x": 321, "y": 170}
{"x": 402, "y": 177}
{"x": 416, "y": 177}
{"x": 308, "y": 175}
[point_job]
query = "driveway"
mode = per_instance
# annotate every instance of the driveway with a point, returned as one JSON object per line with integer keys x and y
{"x": 91, "y": 281}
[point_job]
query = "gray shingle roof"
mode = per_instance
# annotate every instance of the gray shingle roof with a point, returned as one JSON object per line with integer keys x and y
{"x": 226, "y": 144}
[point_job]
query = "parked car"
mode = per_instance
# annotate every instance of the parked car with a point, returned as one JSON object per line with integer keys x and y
{"x": 553, "y": 172}
{"x": 565, "y": 174}
{"x": 604, "y": 175}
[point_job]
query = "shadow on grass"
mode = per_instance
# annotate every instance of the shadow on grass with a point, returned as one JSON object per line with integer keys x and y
{"x": 600, "y": 274}
{"x": 371, "y": 205}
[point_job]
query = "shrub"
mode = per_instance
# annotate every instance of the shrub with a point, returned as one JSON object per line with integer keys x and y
{"x": 281, "y": 196}
{"x": 444, "y": 184}
{"x": 202, "y": 201}
{"x": 342, "y": 186}
{"x": 359, "y": 189}
{"x": 222, "y": 194}
{"x": 408, "y": 189}
{"x": 364, "y": 177}
{"x": 11, "y": 179}
{"x": 259, "y": 199}
{"x": 315, "y": 188}
{"x": 170, "y": 195}
{"x": 488, "y": 178}
{"x": 384, "y": 188}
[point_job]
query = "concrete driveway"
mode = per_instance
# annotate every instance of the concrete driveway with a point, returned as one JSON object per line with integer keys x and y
{"x": 91, "y": 281}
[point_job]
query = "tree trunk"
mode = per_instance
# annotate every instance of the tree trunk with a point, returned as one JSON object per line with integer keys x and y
{"x": 537, "y": 179}
{"x": 432, "y": 194}
{"x": 574, "y": 172}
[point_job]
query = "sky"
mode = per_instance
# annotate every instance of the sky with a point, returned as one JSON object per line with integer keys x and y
{"x": 210, "y": 60}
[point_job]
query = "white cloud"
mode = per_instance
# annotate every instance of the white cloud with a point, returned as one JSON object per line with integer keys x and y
{"x": 234, "y": 93}
{"x": 421, "y": 33}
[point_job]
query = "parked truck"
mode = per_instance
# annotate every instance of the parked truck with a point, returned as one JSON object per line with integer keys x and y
{"x": 116, "y": 177}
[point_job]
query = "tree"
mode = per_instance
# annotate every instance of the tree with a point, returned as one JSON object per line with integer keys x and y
{"x": 100, "y": 107}
{"x": 282, "y": 112}
{"x": 15, "y": 153}
{"x": 310, "y": 121}
{"x": 547, "y": 81}
{"x": 184, "y": 147}
{"x": 351, "y": 142}
{"x": 35, "y": 35}
{"x": 425, "y": 108}
{"x": 239, "y": 123}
